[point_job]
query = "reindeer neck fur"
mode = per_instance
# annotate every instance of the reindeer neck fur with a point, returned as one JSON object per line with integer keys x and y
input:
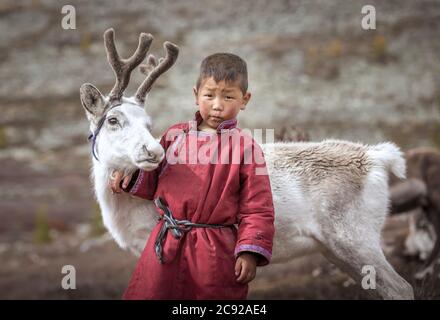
{"x": 128, "y": 219}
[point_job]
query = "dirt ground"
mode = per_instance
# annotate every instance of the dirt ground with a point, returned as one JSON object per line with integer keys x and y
{"x": 31, "y": 271}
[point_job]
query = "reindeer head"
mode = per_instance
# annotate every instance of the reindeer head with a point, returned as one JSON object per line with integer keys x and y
{"x": 121, "y": 128}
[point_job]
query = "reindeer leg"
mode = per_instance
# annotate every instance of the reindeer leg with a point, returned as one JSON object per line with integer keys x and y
{"x": 348, "y": 267}
{"x": 352, "y": 256}
{"x": 434, "y": 256}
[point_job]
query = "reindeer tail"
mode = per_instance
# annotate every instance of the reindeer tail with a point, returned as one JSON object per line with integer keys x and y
{"x": 388, "y": 155}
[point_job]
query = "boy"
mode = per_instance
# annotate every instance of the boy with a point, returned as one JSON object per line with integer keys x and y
{"x": 195, "y": 251}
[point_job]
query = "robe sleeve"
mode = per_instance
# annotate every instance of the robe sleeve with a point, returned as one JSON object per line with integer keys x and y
{"x": 144, "y": 183}
{"x": 256, "y": 212}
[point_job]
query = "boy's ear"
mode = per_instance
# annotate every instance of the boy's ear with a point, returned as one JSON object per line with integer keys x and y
{"x": 195, "y": 94}
{"x": 246, "y": 99}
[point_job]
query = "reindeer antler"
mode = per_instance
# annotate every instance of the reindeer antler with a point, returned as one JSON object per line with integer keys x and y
{"x": 146, "y": 68}
{"x": 123, "y": 67}
{"x": 153, "y": 69}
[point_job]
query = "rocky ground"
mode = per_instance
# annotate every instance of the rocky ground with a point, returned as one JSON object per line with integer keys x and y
{"x": 31, "y": 271}
{"x": 310, "y": 64}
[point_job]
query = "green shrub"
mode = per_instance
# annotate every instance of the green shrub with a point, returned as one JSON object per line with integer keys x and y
{"x": 379, "y": 48}
{"x": 85, "y": 42}
{"x": 334, "y": 49}
{"x": 42, "y": 228}
{"x": 3, "y": 140}
{"x": 96, "y": 225}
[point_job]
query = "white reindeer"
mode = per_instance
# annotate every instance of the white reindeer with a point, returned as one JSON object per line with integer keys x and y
{"x": 330, "y": 196}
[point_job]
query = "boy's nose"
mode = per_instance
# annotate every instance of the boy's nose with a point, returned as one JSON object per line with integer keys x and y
{"x": 217, "y": 105}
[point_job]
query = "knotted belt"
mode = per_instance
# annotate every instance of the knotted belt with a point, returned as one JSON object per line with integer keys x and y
{"x": 178, "y": 227}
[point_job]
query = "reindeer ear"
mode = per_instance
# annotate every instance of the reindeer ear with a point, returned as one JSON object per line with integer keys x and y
{"x": 92, "y": 100}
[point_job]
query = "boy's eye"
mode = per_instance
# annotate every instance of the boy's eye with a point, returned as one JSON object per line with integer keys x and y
{"x": 229, "y": 97}
{"x": 208, "y": 95}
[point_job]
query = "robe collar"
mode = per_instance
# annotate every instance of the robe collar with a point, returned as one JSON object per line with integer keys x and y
{"x": 225, "y": 125}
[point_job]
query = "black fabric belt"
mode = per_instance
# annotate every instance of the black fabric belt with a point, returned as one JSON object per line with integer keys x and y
{"x": 178, "y": 227}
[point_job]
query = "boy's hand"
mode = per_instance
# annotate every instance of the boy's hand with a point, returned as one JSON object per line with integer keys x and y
{"x": 115, "y": 181}
{"x": 246, "y": 267}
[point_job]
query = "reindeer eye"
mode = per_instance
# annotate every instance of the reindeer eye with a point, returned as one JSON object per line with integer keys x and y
{"x": 112, "y": 121}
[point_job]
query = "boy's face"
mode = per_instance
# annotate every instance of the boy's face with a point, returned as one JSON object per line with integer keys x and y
{"x": 219, "y": 101}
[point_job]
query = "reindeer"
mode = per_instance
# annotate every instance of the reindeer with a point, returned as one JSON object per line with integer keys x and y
{"x": 421, "y": 192}
{"x": 329, "y": 197}
{"x": 121, "y": 138}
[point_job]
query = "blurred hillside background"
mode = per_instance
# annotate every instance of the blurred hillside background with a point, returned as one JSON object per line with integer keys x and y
{"x": 310, "y": 65}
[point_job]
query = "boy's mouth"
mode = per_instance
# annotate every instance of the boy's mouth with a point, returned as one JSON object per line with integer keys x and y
{"x": 217, "y": 119}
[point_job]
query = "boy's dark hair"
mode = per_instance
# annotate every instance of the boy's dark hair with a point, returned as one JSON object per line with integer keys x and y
{"x": 224, "y": 66}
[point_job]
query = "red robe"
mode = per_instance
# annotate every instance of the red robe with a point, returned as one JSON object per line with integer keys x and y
{"x": 201, "y": 265}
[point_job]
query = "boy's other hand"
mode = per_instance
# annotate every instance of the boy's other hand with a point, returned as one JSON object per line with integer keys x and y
{"x": 115, "y": 181}
{"x": 246, "y": 267}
